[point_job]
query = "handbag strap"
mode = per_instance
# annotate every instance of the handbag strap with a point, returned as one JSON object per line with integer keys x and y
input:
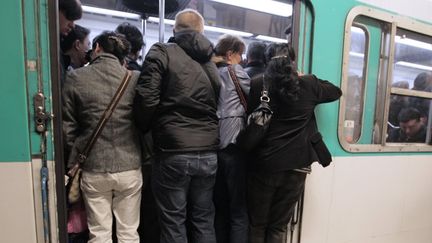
{"x": 237, "y": 87}
{"x": 103, "y": 120}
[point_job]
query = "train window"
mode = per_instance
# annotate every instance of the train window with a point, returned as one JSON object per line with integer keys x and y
{"x": 356, "y": 81}
{"x": 412, "y": 75}
{"x": 387, "y": 84}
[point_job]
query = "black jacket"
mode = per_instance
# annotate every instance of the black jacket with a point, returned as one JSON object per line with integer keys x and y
{"x": 177, "y": 94}
{"x": 290, "y": 140}
{"x": 254, "y": 68}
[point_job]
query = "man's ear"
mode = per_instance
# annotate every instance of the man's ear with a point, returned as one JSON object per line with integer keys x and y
{"x": 228, "y": 55}
{"x": 97, "y": 49}
{"x": 76, "y": 45}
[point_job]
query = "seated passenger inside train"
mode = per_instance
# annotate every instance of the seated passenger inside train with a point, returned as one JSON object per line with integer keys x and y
{"x": 412, "y": 127}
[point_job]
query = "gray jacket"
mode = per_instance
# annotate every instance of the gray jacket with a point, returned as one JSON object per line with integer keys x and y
{"x": 231, "y": 113}
{"x": 87, "y": 92}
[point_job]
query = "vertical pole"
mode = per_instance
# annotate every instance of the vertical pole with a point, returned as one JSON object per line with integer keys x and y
{"x": 143, "y": 30}
{"x": 161, "y": 20}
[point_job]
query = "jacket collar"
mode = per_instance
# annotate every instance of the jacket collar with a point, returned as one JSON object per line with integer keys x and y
{"x": 196, "y": 45}
{"x": 104, "y": 56}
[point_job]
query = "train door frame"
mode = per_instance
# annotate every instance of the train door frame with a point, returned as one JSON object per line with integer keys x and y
{"x": 54, "y": 42}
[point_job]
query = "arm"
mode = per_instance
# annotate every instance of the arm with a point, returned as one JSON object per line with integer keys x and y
{"x": 326, "y": 91}
{"x": 148, "y": 89}
{"x": 69, "y": 112}
{"x": 243, "y": 79}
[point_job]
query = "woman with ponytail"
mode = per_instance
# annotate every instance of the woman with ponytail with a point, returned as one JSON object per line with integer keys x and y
{"x": 111, "y": 178}
{"x": 279, "y": 164}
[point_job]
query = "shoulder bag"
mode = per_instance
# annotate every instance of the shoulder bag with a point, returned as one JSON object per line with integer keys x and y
{"x": 257, "y": 123}
{"x": 74, "y": 173}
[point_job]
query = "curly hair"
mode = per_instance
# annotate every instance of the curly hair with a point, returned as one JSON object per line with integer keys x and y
{"x": 281, "y": 73}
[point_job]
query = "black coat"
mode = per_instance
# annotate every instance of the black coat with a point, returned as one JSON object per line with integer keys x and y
{"x": 177, "y": 94}
{"x": 288, "y": 144}
{"x": 254, "y": 68}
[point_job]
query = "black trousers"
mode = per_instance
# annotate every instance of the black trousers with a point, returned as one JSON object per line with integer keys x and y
{"x": 148, "y": 229}
{"x": 271, "y": 201}
{"x": 231, "y": 218}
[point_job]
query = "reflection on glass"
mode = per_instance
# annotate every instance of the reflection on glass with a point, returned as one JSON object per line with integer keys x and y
{"x": 413, "y": 59}
{"x": 356, "y": 82}
{"x": 409, "y": 117}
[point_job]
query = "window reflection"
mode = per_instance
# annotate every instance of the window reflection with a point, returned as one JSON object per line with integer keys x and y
{"x": 412, "y": 71}
{"x": 356, "y": 83}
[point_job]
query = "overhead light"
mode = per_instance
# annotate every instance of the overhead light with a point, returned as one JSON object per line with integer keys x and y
{"x": 272, "y": 39}
{"x": 206, "y": 27}
{"x": 413, "y": 65}
{"x": 266, "y": 6}
{"x": 356, "y": 54}
{"x": 166, "y": 21}
{"x": 110, "y": 12}
{"x": 227, "y": 31}
{"x": 412, "y": 42}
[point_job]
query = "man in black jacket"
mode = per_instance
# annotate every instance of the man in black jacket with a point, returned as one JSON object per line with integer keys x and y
{"x": 255, "y": 59}
{"x": 176, "y": 98}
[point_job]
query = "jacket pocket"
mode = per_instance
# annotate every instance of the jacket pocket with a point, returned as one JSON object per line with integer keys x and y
{"x": 324, "y": 156}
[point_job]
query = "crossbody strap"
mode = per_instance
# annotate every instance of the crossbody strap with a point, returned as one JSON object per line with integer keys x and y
{"x": 103, "y": 120}
{"x": 237, "y": 87}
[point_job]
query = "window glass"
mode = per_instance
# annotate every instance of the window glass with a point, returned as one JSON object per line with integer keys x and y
{"x": 387, "y": 85}
{"x": 356, "y": 82}
{"x": 409, "y": 110}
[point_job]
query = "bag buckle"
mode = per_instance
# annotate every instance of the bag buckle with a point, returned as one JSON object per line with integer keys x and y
{"x": 264, "y": 96}
{"x": 81, "y": 158}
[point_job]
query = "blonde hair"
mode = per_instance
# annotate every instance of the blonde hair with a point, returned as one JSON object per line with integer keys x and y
{"x": 189, "y": 19}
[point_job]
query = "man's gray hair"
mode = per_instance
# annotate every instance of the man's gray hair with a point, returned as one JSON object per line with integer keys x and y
{"x": 189, "y": 19}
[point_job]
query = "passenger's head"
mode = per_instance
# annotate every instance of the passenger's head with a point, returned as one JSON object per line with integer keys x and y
{"x": 423, "y": 81}
{"x": 410, "y": 121}
{"x": 76, "y": 44}
{"x": 133, "y": 35}
{"x": 69, "y": 11}
{"x": 113, "y": 43}
{"x": 255, "y": 52}
{"x": 230, "y": 48}
{"x": 401, "y": 84}
{"x": 189, "y": 19}
{"x": 281, "y": 74}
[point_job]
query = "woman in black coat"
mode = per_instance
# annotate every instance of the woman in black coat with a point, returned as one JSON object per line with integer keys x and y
{"x": 279, "y": 164}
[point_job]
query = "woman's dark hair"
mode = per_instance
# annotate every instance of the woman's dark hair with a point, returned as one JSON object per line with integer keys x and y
{"x": 229, "y": 43}
{"x": 71, "y": 9}
{"x": 77, "y": 33}
{"x": 132, "y": 34}
{"x": 113, "y": 43}
{"x": 281, "y": 73}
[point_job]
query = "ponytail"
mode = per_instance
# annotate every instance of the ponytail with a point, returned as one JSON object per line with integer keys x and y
{"x": 113, "y": 43}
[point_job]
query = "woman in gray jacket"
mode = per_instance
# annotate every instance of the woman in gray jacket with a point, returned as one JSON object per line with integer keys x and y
{"x": 231, "y": 221}
{"x": 111, "y": 179}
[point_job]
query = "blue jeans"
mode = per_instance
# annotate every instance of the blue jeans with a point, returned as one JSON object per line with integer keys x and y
{"x": 183, "y": 188}
{"x": 231, "y": 221}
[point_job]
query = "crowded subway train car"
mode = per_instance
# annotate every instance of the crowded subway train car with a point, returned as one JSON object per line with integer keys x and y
{"x": 376, "y": 190}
